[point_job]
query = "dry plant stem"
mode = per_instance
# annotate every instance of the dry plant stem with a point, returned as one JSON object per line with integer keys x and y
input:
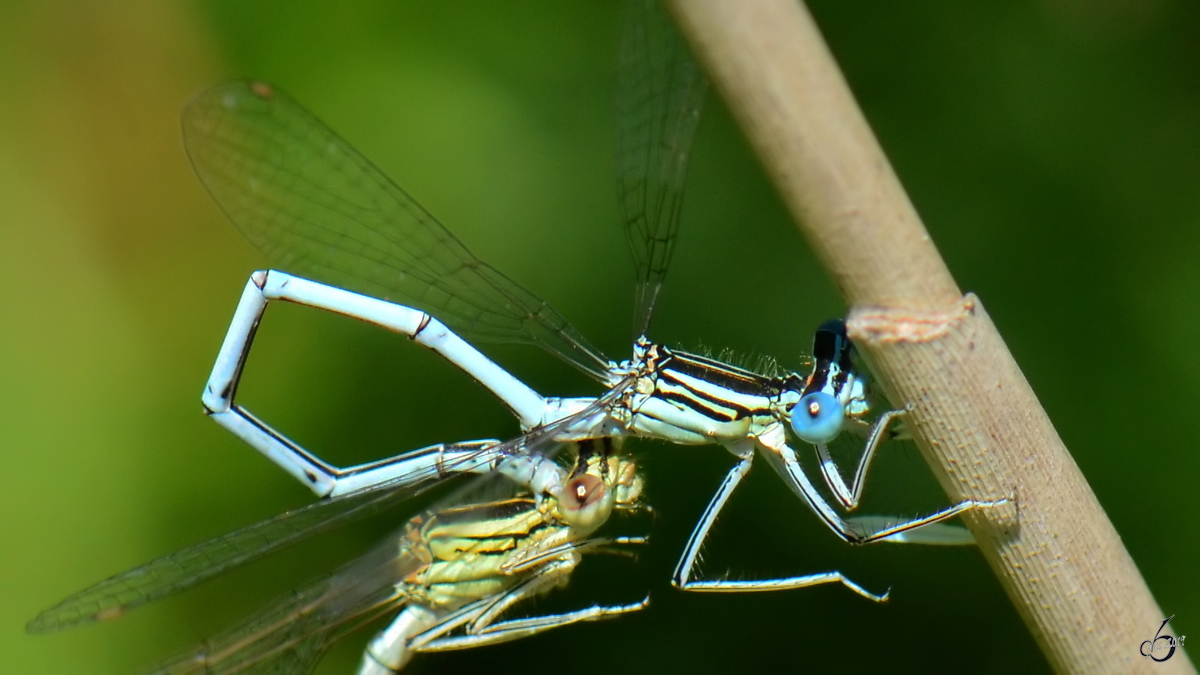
{"x": 974, "y": 417}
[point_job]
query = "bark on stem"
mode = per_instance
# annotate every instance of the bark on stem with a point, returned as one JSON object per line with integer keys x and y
{"x": 974, "y": 416}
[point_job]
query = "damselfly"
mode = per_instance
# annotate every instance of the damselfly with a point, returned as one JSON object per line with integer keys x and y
{"x": 318, "y": 208}
{"x": 452, "y": 572}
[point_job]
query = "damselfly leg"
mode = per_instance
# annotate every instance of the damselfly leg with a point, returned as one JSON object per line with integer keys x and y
{"x": 320, "y": 209}
{"x": 687, "y": 566}
{"x": 420, "y": 629}
{"x": 479, "y": 621}
{"x": 480, "y": 629}
{"x": 451, "y": 573}
{"x": 317, "y": 208}
{"x": 835, "y": 399}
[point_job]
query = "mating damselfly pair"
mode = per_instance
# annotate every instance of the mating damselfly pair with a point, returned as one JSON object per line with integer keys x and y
{"x": 349, "y": 241}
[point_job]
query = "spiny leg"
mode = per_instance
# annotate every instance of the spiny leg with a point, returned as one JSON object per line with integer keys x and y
{"x": 783, "y": 459}
{"x": 687, "y": 566}
{"x": 598, "y": 545}
{"x": 507, "y": 631}
{"x": 682, "y": 577}
{"x": 483, "y": 630}
{"x": 782, "y": 584}
{"x": 850, "y": 496}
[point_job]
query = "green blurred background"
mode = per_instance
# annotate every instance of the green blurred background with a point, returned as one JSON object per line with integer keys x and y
{"x": 1053, "y": 149}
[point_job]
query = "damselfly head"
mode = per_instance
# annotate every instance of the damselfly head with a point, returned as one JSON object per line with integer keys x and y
{"x": 586, "y": 502}
{"x": 834, "y": 388}
{"x": 832, "y": 344}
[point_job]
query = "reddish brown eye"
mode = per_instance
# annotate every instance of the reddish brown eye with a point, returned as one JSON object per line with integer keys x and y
{"x": 585, "y": 503}
{"x": 582, "y": 491}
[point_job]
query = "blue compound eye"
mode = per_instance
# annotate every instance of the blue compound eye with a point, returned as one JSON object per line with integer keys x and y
{"x": 817, "y": 418}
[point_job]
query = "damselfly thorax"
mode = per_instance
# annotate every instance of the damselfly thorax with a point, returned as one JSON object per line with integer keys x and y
{"x": 471, "y": 562}
{"x": 319, "y": 209}
{"x": 658, "y": 393}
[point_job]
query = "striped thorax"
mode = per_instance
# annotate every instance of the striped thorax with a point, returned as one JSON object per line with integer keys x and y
{"x": 693, "y": 400}
{"x": 497, "y": 552}
{"x": 476, "y": 550}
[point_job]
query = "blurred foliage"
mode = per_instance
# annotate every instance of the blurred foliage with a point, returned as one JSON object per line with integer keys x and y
{"x": 1052, "y": 148}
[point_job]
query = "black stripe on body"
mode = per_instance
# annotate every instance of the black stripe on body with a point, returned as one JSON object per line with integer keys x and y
{"x": 834, "y": 352}
{"x": 820, "y": 375}
{"x": 720, "y": 374}
{"x": 696, "y": 399}
{"x": 840, "y": 380}
{"x": 589, "y": 451}
{"x": 695, "y": 404}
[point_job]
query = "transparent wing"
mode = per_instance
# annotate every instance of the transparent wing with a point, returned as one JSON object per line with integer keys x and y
{"x": 659, "y": 97}
{"x": 184, "y": 569}
{"x": 318, "y": 208}
{"x": 291, "y": 635}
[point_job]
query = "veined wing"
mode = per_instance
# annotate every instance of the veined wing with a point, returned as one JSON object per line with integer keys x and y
{"x": 660, "y": 94}
{"x": 191, "y": 566}
{"x": 291, "y": 635}
{"x": 318, "y": 208}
